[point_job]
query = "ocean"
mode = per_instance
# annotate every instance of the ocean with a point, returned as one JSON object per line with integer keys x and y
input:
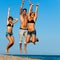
{"x": 39, "y": 57}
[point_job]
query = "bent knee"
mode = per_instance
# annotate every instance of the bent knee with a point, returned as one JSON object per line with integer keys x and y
{"x": 27, "y": 40}
{"x": 12, "y": 42}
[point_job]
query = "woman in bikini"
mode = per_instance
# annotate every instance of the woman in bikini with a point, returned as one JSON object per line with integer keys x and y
{"x": 32, "y": 17}
{"x": 9, "y": 33}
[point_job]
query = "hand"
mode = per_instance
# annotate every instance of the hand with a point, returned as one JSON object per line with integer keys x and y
{"x": 31, "y": 3}
{"x": 37, "y": 4}
{"x": 9, "y": 9}
{"x": 22, "y": 1}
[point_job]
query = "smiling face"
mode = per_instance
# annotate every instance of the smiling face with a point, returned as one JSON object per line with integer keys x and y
{"x": 10, "y": 19}
{"x": 32, "y": 14}
{"x": 24, "y": 11}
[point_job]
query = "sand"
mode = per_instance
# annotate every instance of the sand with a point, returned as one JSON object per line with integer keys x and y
{"x": 5, "y": 57}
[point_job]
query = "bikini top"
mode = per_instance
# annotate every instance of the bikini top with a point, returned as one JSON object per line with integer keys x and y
{"x": 10, "y": 25}
{"x": 32, "y": 21}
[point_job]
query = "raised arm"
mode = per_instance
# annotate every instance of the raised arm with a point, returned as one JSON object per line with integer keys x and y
{"x": 15, "y": 20}
{"x": 21, "y": 7}
{"x": 8, "y": 15}
{"x": 30, "y": 9}
{"x": 36, "y": 12}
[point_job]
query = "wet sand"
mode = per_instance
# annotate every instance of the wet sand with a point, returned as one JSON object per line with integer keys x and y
{"x": 5, "y": 57}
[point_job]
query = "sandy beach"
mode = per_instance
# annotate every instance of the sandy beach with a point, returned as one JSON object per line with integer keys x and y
{"x": 5, "y": 57}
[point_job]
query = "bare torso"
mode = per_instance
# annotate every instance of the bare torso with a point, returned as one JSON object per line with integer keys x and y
{"x": 9, "y": 29}
{"x": 31, "y": 27}
{"x": 23, "y": 21}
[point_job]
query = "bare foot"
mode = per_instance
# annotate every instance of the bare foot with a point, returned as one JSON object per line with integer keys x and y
{"x": 20, "y": 50}
{"x": 6, "y": 50}
{"x": 35, "y": 41}
{"x": 29, "y": 41}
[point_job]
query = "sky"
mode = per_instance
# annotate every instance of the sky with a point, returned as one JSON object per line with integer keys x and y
{"x": 47, "y": 27}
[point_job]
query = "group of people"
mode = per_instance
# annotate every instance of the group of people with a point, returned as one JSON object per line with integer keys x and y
{"x": 27, "y": 27}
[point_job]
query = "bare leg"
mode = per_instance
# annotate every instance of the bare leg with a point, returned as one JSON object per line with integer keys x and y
{"x": 27, "y": 40}
{"x": 20, "y": 42}
{"x": 25, "y": 46}
{"x": 11, "y": 42}
{"x": 20, "y": 47}
{"x": 33, "y": 39}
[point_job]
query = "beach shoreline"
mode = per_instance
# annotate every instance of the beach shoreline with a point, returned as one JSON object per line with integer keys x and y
{"x": 6, "y": 57}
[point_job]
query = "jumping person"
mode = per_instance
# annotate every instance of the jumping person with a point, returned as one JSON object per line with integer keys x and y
{"x": 23, "y": 24}
{"x": 32, "y": 17}
{"x": 9, "y": 33}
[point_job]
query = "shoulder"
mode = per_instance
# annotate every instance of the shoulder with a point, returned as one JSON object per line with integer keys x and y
{"x": 21, "y": 15}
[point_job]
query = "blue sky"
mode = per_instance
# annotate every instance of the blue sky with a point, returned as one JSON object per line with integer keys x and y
{"x": 47, "y": 27}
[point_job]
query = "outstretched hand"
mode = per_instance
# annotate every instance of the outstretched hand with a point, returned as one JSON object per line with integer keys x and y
{"x": 31, "y": 3}
{"x": 22, "y": 1}
{"x": 37, "y": 4}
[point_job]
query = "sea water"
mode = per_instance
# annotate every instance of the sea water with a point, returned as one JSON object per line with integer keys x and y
{"x": 39, "y": 57}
